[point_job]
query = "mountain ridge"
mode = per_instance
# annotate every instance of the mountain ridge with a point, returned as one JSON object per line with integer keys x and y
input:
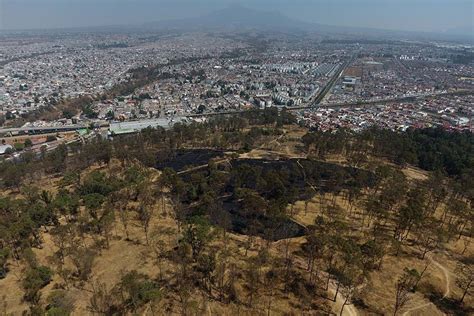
{"x": 237, "y": 17}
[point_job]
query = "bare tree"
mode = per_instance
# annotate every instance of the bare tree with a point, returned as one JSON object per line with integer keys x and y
{"x": 62, "y": 237}
{"x": 405, "y": 285}
{"x": 465, "y": 277}
{"x": 159, "y": 250}
{"x": 429, "y": 238}
{"x": 252, "y": 274}
{"x": 145, "y": 214}
{"x": 270, "y": 281}
{"x": 124, "y": 219}
{"x": 83, "y": 260}
{"x": 103, "y": 300}
{"x": 312, "y": 248}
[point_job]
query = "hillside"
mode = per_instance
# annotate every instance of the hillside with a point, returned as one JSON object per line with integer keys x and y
{"x": 247, "y": 214}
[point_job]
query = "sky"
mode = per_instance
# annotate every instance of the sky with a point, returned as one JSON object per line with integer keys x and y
{"x": 406, "y": 15}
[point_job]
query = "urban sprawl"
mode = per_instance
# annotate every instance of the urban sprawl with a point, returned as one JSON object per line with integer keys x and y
{"x": 181, "y": 77}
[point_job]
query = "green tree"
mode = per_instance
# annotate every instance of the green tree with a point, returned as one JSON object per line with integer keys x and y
{"x": 206, "y": 264}
{"x": 138, "y": 290}
{"x": 35, "y": 279}
{"x": 197, "y": 235}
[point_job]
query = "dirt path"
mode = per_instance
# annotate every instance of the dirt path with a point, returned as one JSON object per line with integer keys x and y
{"x": 349, "y": 310}
{"x": 202, "y": 166}
{"x": 304, "y": 173}
{"x": 277, "y": 140}
{"x": 447, "y": 279}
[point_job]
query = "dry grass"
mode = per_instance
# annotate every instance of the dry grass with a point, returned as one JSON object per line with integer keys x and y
{"x": 11, "y": 296}
{"x": 126, "y": 255}
{"x": 379, "y": 290}
{"x": 413, "y": 173}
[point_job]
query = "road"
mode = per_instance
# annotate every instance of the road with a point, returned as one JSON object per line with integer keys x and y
{"x": 332, "y": 82}
{"x": 43, "y": 129}
{"x": 315, "y": 104}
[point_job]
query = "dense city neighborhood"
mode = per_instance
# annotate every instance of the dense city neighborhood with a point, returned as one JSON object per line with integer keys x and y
{"x": 326, "y": 84}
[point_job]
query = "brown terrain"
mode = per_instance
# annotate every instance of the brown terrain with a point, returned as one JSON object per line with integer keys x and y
{"x": 133, "y": 253}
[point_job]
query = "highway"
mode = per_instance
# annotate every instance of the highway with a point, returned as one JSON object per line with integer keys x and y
{"x": 145, "y": 123}
{"x": 165, "y": 122}
{"x": 42, "y": 129}
{"x": 314, "y": 105}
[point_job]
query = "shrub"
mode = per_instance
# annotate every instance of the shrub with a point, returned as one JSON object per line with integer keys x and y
{"x": 35, "y": 279}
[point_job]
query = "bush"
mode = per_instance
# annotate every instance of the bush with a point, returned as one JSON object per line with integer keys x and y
{"x": 19, "y": 146}
{"x": 35, "y": 279}
{"x": 139, "y": 289}
{"x": 59, "y": 304}
{"x": 28, "y": 143}
{"x": 97, "y": 182}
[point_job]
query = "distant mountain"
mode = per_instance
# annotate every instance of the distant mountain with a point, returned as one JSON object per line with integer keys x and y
{"x": 461, "y": 32}
{"x": 237, "y": 18}
{"x": 240, "y": 18}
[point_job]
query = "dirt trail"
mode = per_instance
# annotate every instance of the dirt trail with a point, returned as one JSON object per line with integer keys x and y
{"x": 349, "y": 310}
{"x": 277, "y": 140}
{"x": 446, "y": 274}
{"x": 202, "y": 166}
{"x": 304, "y": 173}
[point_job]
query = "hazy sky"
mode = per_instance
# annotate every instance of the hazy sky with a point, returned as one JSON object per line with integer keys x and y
{"x": 416, "y": 15}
